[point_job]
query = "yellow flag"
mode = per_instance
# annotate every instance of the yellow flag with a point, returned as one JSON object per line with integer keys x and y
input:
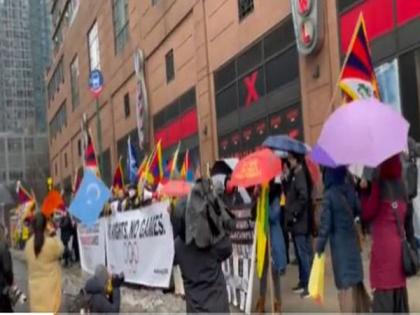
{"x": 262, "y": 229}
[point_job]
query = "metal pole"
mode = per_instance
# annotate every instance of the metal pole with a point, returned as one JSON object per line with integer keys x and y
{"x": 99, "y": 133}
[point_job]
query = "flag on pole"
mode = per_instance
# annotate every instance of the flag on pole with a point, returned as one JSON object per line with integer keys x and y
{"x": 174, "y": 162}
{"x": 118, "y": 180}
{"x": 186, "y": 170}
{"x": 358, "y": 79}
{"x": 262, "y": 229}
{"x": 155, "y": 167}
{"x": 23, "y": 195}
{"x": 132, "y": 166}
{"x": 91, "y": 163}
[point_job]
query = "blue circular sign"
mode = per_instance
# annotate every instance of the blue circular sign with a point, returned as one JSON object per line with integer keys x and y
{"x": 96, "y": 82}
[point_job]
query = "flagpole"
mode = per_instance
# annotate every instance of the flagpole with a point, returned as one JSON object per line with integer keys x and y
{"x": 336, "y": 87}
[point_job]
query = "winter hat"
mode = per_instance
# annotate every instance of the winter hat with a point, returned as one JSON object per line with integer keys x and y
{"x": 102, "y": 275}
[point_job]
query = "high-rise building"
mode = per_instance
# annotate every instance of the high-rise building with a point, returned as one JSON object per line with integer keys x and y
{"x": 24, "y": 56}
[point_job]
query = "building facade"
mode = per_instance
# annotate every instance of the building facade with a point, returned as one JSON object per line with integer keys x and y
{"x": 23, "y": 60}
{"x": 220, "y": 76}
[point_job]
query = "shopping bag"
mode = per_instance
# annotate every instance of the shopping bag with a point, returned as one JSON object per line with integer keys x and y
{"x": 317, "y": 279}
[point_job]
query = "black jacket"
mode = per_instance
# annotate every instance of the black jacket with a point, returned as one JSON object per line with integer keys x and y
{"x": 298, "y": 203}
{"x": 99, "y": 302}
{"x": 66, "y": 229}
{"x": 205, "y": 286}
{"x": 6, "y": 267}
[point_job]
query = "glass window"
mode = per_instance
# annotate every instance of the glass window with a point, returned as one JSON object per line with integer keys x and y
{"x": 74, "y": 73}
{"x": 93, "y": 45}
{"x": 282, "y": 69}
{"x": 245, "y": 7}
{"x": 170, "y": 70}
{"x": 279, "y": 39}
{"x": 251, "y": 87}
{"x": 225, "y": 76}
{"x": 79, "y": 147}
{"x": 250, "y": 59}
{"x": 127, "y": 105}
{"x": 120, "y": 19}
{"x": 73, "y": 8}
{"x": 226, "y": 101}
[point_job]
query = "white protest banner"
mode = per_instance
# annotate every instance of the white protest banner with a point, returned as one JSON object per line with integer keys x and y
{"x": 140, "y": 244}
{"x": 237, "y": 269}
{"x": 92, "y": 246}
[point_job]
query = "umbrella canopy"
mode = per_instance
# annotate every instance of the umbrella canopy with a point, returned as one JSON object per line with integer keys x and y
{"x": 175, "y": 188}
{"x": 285, "y": 143}
{"x": 256, "y": 168}
{"x": 365, "y": 132}
{"x": 224, "y": 166}
{"x": 320, "y": 156}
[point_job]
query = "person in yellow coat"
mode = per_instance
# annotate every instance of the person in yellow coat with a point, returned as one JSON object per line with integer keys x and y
{"x": 43, "y": 252}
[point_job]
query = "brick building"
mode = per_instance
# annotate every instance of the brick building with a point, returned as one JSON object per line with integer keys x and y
{"x": 220, "y": 75}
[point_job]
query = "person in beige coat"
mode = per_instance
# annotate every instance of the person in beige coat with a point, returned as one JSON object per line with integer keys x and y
{"x": 43, "y": 252}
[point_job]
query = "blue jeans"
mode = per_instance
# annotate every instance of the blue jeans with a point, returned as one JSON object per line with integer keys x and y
{"x": 304, "y": 258}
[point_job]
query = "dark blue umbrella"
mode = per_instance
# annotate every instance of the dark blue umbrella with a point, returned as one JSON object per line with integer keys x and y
{"x": 285, "y": 143}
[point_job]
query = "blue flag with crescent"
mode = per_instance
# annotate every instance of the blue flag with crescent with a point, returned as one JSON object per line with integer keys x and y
{"x": 90, "y": 199}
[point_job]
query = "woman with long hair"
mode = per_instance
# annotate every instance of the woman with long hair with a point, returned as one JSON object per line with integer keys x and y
{"x": 43, "y": 251}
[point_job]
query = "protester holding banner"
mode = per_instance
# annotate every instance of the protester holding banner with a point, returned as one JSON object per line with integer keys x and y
{"x": 205, "y": 285}
{"x": 278, "y": 250}
{"x": 43, "y": 253}
{"x": 103, "y": 290}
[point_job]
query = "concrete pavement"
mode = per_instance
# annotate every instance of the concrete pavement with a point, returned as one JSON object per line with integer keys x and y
{"x": 144, "y": 300}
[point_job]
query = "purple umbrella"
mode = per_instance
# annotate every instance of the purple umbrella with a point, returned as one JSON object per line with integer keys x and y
{"x": 321, "y": 157}
{"x": 365, "y": 132}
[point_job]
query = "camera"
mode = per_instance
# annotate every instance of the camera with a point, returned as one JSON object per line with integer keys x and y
{"x": 118, "y": 279}
{"x": 15, "y": 295}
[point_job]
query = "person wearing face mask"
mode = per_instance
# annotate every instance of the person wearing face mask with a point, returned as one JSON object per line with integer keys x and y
{"x": 298, "y": 217}
{"x": 131, "y": 202}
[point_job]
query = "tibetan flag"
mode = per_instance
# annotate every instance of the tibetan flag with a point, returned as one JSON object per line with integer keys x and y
{"x": 23, "y": 195}
{"x": 118, "y": 180}
{"x": 156, "y": 167}
{"x": 91, "y": 163}
{"x": 358, "y": 79}
{"x": 132, "y": 166}
{"x": 262, "y": 229}
{"x": 174, "y": 162}
{"x": 186, "y": 171}
{"x": 142, "y": 168}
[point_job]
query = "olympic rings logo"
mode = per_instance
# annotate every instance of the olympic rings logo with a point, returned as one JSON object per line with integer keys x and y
{"x": 131, "y": 253}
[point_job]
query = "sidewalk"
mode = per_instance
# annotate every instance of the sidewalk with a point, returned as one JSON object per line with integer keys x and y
{"x": 134, "y": 299}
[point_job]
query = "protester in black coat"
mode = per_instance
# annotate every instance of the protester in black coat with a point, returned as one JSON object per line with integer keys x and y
{"x": 66, "y": 233}
{"x": 298, "y": 217}
{"x": 6, "y": 273}
{"x": 204, "y": 283}
{"x": 101, "y": 301}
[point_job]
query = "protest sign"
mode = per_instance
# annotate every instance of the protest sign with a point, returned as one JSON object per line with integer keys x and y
{"x": 92, "y": 246}
{"x": 140, "y": 244}
{"x": 237, "y": 268}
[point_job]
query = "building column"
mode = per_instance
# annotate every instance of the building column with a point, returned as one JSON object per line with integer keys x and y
{"x": 204, "y": 91}
{"x": 318, "y": 76}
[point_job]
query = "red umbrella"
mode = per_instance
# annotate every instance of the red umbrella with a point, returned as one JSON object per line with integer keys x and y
{"x": 175, "y": 188}
{"x": 256, "y": 168}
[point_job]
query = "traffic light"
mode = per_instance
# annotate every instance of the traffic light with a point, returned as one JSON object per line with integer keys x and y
{"x": 308, "y": 24}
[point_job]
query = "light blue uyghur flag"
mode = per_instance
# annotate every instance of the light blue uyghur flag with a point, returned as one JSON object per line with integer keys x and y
{"x": 90, "y": 199}
{"x": 132, "y": 166}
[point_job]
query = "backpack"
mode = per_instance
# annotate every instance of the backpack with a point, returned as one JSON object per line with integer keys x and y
{"x": 81, "y": 303}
